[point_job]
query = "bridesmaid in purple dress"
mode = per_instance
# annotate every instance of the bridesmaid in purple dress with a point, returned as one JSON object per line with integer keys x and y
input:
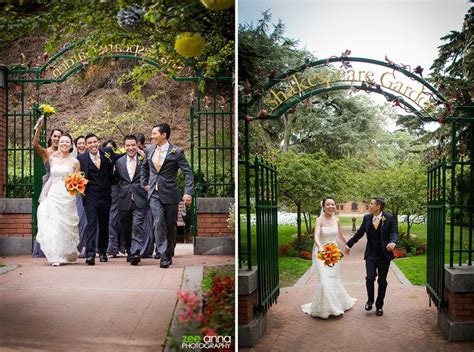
{"x": 114, "y": 225}
{"x": 148, "y": 243}
{"x": 44, "y": 154}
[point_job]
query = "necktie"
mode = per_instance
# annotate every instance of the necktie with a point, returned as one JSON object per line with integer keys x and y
{"x": 376, "y": 222}
{"x": 97, "y": 160}
{"x": 157, "y": 159}
{"x": 132, "y": 168}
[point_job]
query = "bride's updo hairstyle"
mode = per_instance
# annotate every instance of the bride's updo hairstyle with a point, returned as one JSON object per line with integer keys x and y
{"x": 325, "y": 199}
{"x": 70, "y": 138}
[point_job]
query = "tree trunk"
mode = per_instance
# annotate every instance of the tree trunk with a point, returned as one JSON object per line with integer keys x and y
{"x": 288, "y": 120}
{"x": 298, "y": 221}
{"x": 310, "y": 224}
{"x": 408, "y": 227}
{"x": 305, "y": 222}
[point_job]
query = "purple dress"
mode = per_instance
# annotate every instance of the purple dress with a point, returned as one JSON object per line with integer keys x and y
{"x": 148, "y": 242}
{"x": 114, "y": 227}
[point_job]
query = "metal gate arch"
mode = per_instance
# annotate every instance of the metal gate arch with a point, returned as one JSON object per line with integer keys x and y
{"x": 211, "y": 127}
{"x": 441, "y": 198}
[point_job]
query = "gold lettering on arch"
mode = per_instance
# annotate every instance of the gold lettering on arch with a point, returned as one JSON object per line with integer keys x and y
{"x": 297, "y": 84}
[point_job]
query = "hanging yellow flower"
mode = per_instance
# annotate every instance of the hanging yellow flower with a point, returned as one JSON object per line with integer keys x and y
{"x": 189, "y": 44}
{"x": 218, "y": 5}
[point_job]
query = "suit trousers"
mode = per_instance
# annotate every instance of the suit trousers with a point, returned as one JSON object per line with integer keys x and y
{"x": 97, "y": 212}
{"x": 165, "y": 223}
{"x": 132, "y": 234}
{"x": 376, "y": 266}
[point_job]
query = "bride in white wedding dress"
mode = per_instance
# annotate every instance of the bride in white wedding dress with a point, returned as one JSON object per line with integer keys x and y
{"x": 57, "y": 213}
{"x": 330, "y": 297}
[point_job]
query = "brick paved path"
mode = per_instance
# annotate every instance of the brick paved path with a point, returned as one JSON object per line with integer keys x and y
{"x": 107, "y": 307}
{"x": 408, "y": 323}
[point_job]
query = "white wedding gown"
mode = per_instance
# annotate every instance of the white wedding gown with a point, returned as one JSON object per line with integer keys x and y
{"x": 58, "y": 220}
{"x": 330, "y": 297}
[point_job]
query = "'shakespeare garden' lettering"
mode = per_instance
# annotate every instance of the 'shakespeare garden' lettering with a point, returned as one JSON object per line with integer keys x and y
{"x": 60, "y": 67}
{"x": 297, "y": 84}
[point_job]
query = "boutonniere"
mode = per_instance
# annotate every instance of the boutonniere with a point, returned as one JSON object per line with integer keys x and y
{"x": 140, "y": 158}
{"x": 173, "y": 151}
{"x": 107, "y": 155}
{"x": 383, "y": 219}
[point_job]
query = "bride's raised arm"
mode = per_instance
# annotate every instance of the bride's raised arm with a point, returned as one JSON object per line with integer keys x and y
{"x": 317, "y": 232}
{"x": 339, "y": 232}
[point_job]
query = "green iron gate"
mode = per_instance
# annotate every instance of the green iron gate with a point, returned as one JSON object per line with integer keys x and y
{"x": 212, "y": 148}
{"x": 266, "y": 209}
{"x": 211, "y": 120}
{"x": 436, "y": 231}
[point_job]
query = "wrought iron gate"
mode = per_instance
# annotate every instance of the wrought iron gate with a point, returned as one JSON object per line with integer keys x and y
{"x": 436, "y": 231}
{"x": 266, "y": 207}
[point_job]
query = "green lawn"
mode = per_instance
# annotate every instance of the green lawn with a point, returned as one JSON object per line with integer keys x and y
{"x": 291, "y": 269}
{"x": 414, "y": 268}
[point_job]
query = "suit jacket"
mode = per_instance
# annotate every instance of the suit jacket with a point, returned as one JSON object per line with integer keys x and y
{"x": 166, "y": 179}
{"x": 100, "y": 181}
{"x": 388, "y": 233}
{"x": 129, "y": 187}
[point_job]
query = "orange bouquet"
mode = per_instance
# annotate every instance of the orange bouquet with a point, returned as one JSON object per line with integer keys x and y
{"x": 76, "y": 183}
{"x": 330, "y": 254}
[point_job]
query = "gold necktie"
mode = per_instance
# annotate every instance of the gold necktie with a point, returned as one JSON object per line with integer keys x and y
{"x": 132, "y": 168}
{"x": 157, "y": 159}
{"x": 376, "y": 222}
{"x": 97, "y": 160}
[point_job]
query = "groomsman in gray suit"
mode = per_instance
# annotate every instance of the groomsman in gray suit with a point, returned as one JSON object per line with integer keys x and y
{"x": 132, "y": 200}
{"x": 159, "y": 178}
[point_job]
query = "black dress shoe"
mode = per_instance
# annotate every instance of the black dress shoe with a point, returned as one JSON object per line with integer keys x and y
{"x": 379, "y": 312}
{"x": 157, "y": 256}
{"x": 135, "y": 259}
{"x": 165, "y": 264}
{"x": 368, "y": 305}
{"x": 103, "y": 258}
{"x": 90, "y": 261}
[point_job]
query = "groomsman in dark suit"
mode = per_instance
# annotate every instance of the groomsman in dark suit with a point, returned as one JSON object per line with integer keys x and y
{"x": 159, "y": 178}
{"x": 97, "y": 165}
{"x": 132, "y": 200}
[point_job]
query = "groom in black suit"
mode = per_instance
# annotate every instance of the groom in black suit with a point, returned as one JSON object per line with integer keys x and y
{"x": 97, "y": 165}
{"x": 382, "y": 237}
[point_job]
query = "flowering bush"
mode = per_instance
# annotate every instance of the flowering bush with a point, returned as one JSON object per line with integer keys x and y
{"x": 213, "y": 315}
{"x": 305, "y": 255}
{"x": 189, "y": 44}
{"x": 219, "y": 305}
